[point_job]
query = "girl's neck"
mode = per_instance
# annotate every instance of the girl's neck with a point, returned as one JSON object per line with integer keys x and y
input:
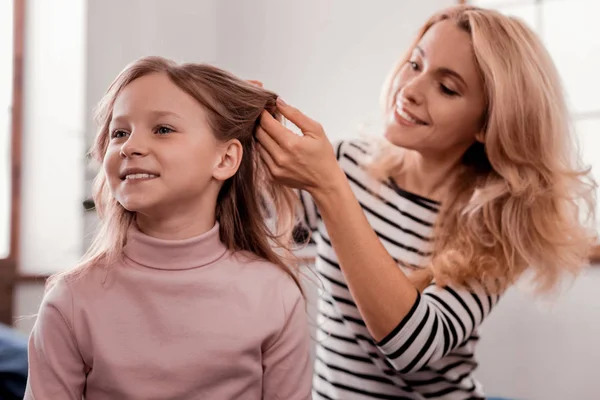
{"x": 429, "y": 177}
{"x": 176, "y": 226}
{"x": 173, "y": 254}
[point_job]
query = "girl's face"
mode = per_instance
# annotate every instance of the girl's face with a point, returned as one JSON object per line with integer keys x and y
{"x": 162, "y": 157}
{"x": 439, "y": 95}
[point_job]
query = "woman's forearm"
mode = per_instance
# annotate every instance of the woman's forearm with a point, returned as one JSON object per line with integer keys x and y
{"x": 383, "y": 293}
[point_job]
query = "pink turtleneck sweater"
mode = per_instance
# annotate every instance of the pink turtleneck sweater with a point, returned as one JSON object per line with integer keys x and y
{"x": 176, "y": 320}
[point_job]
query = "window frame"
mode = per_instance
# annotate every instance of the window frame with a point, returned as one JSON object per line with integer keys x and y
{"x": 9, "y": 265}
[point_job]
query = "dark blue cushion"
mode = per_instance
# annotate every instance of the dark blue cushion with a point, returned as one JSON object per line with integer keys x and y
{"x": 13, "y": 363}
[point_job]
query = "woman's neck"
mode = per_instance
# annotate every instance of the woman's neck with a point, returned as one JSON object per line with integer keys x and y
{"x": 429, "y": 177}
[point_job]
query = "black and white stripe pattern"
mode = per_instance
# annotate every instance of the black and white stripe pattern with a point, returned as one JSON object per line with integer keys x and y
{"x": 430, "y": 353}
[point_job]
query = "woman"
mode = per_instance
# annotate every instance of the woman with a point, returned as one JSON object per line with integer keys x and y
{"x": 479, "y": 184}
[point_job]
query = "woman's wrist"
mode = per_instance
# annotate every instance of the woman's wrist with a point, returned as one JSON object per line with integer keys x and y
{"x": 332, "y": 191}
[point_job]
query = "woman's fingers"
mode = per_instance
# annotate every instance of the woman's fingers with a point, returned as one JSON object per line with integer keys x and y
{"x": 268, "y": 160}
{"x": 276, "y": 131}
{"x": 257, "y": 83}
{"x": 306, "y": 124}
{"x": 269, "y": 144}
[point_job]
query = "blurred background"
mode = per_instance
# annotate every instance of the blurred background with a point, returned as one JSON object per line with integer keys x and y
{"x": 326, "y": 57}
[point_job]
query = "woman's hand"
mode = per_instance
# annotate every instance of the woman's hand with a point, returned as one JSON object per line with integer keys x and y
{"x": 305, "y": 162}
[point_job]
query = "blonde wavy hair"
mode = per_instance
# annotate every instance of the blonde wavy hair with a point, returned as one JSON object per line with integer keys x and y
{"x": 255, "y": 214}
{"x": 522, "y": 201}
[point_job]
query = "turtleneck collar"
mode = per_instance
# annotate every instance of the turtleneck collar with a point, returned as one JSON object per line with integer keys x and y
{"x": 174, "y": 254}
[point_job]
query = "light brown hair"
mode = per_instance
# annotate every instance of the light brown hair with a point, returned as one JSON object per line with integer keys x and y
{"x": 522, "y": 201}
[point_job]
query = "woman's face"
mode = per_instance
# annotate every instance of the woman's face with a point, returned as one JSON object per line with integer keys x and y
{"x": 439, "y": 95}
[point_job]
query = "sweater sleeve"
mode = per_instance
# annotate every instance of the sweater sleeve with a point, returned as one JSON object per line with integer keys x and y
{"x": 441, "y": 319}
{"x": 56, "y": 367}
{"x": 287, "y": 371}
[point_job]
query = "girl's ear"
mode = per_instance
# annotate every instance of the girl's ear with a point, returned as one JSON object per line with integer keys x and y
{"x": 230, "y": 157}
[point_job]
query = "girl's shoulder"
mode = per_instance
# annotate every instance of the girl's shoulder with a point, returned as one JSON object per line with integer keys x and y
{"x": 267, "y": 277}
{"x": 77, "y": 280}
{"x": 257, "y": 265}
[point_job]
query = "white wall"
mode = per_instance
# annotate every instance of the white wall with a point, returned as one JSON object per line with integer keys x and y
{"x": 329, "y": 60}
{"x": 546, "y": 350}
{"x": 53, "y": 135}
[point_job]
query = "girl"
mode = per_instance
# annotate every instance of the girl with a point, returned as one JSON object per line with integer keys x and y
{"x": 480, "y": 183}
{"x": 181, "y": 295}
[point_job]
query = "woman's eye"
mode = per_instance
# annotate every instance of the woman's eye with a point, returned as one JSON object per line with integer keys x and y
{"x": 413, "y": 65}
{"x": 447, "y": 91}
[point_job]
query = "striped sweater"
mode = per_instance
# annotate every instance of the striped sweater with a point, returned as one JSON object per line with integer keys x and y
{"x": 430, "y": 354}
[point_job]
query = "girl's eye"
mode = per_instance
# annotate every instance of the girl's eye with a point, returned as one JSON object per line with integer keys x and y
{"x": 163, "y": 130}
{"x": 118, "y": 133}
